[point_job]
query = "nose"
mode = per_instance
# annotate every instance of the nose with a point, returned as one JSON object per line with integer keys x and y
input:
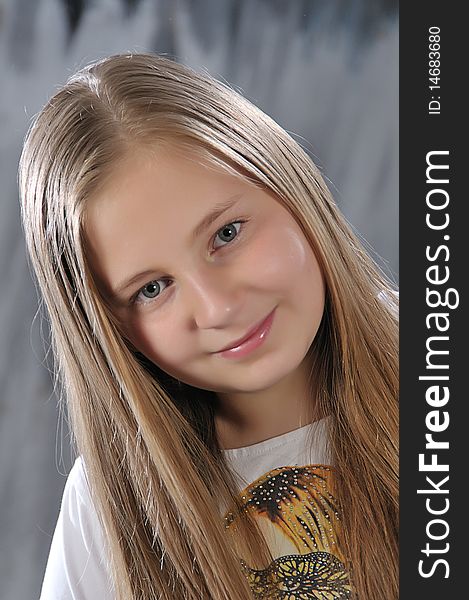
{"x": 213, "y": 298}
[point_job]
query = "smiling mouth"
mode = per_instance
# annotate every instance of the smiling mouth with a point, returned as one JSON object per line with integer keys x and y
{"x": 252, "y": 332}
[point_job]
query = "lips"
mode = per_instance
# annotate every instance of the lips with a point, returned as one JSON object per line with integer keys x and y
{"x": 249, "y": 334}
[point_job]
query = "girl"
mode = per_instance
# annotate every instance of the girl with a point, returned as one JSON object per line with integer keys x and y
{"x": 227, "y": 349}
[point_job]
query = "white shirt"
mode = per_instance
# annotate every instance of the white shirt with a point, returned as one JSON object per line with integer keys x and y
{"x": 76, "y": 568}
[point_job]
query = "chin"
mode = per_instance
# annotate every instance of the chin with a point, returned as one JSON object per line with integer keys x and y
{"x": 259, "y": 379}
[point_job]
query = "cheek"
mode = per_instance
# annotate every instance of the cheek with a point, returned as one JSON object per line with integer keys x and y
{"x": 284, "y": 261}
{"x": 155, "y": 338}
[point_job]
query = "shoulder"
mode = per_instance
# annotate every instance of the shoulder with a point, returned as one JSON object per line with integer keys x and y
{"x": 76, "y": 489}
{"x": 77, "y": 563}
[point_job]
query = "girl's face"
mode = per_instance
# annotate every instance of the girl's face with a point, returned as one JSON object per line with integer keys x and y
{"x": 192, "y": 259}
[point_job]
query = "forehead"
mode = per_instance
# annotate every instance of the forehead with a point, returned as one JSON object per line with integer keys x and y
{"x": 167, "y": 186}
{"x": 151, "y": 203}
{"x": 165, "y": 176}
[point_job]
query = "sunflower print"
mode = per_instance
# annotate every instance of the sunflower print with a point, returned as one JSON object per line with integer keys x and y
{"x": 297, "y": 512}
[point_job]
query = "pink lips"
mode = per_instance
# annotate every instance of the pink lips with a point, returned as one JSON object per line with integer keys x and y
{"x": 252, "y": 341}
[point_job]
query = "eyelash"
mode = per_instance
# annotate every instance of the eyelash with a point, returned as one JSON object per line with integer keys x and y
{"x": 134, "y": 299}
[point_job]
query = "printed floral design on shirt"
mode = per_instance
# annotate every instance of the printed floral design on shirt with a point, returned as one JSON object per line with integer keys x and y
{"x": 297, "y": 512}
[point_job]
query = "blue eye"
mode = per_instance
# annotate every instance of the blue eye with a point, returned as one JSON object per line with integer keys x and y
{"x": 228, "y": 231}
{"x": 153, "y": 289}
{"x": 150, "y": 291}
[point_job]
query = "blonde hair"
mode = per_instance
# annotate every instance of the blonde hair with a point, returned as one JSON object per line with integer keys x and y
{"x": 155, "y": 469}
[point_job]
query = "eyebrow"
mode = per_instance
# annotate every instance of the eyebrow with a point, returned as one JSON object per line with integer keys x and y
{"x": 203, "y": 225}
{"x": 213, "y": 215}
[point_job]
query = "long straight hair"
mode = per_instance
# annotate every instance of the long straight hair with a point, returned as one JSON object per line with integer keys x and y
{"x": 156, "y": 472}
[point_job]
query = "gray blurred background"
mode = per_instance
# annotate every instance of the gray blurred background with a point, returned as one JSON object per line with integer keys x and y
{"x": 327, "y": 71}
